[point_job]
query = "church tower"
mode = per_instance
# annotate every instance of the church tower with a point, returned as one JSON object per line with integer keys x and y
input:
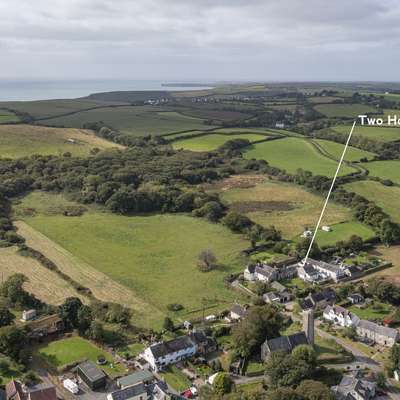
{"x": 308, "y": 325}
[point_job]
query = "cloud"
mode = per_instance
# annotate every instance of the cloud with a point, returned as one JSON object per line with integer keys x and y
{"x": 200, "y": 39}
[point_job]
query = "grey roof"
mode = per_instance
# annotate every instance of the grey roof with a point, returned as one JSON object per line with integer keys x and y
{"x": 306, "y": 304}
{"x": 354, "y": 384}
{"x": 356, "y": 296}
{"x": 251, "y": 268}
{"x": 172, "y": 346}
{"x": 265, "y": 270}
{"x": 198, "y": 337}
{"x": 91, "y": 371}
{"x": 239, "y": 310}
{"x": 346, "y": 313}
{"x": 378, "y": 329}
{"x": 324, "y": 295}
{"x": 278, "y": 286}
{"x": 286, "y": 343}
{"x": 309, "y": 269}
{"x": 129, "y": 392}
{"x": 143, "y": 375}
{"x": 323, "y": 265}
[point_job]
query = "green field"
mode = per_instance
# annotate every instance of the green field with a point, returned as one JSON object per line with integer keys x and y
{"x": 375, "y": 311}
{"x": 336, "y": 150}
{"x": 213, "y": 141}
{"x": 380, "y": 134}
{"x": 344, "y": 231}
{"x": 134, "y": 120}
{"x": 291, "y": 154}
{"x": 67, "y": 351}
{"x": 344, "y": 110}
{"x": 21, "y": 140}
{"x": 383, "y": 196}
{"x": 154, "y": 256}
{"x": 276, "y": 203}
{"x": 176, "y": 378}
{"x": 384, "y": 169}
{"x": 7, "y": 116}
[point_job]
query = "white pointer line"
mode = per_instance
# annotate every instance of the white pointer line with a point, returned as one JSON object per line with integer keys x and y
{"x": 329, "y": 193}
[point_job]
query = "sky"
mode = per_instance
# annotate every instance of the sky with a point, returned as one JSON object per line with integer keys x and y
{"x": 200, "y": 40}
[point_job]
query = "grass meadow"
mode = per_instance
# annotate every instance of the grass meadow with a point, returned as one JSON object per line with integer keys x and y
{"x": 153, "y": 256}
{"x": 386, "y": 197}
{"x": 336, "y": 150}
{"x": 7, "y": 116}
{"x": 380, "y": 134}
{"x": 389, "y": 169}
{"x": 291, "y": 154}
{"x": 343, "y": 110}
{"x": 213, "y": 141}
{"x": 24, "y": 140}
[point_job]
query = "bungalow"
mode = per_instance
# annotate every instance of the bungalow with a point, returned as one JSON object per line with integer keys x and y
{"x": 377, "y": 333}
{"x": 354, "y": 386}
{"x": 161, "y": 354}
{"x": 340, "y": 316}
{"x": 282, "y": 343}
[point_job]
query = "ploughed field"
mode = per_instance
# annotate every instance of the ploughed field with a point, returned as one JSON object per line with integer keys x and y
{"x": 292, "y": 153}
{"x": 24, "y": 140}
{"x": 154, "y": 256}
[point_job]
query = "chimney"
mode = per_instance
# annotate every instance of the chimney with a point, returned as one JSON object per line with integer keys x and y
{"x": 308, "y": 325}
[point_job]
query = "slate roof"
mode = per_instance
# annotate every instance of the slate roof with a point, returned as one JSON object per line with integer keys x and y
{"x": 378, "y": 329}
{"x": 278, "y": 286}
{"x": 324, "y": 295}
{"x": 143, "y": 375}
{"x": 286, "y": 343}
{"x": 309, "y": 269}
{"x": 172, "y": 346}
{"x": 129, "y": 392}
{"x": 251, "y": 268}
{"x": 198, "y": 337}
{"x": 341, "y": 310}
{"x": 239, "y": 310}
{"x": 90, "y": 370}
{"x": 264, "y": 270}
{"x": 323, "y": 265}
{"x": 306, "y": 304}
{"x": 356, "y": 296}
{"x": 38, "y": 392}
{"x": 356, "y": 384}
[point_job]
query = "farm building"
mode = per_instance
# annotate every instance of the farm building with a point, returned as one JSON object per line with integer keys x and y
{"x": 94, "y": 377}
{"x": 142, "y": 376}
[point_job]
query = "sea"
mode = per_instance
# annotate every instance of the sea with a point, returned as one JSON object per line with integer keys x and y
{"x": 13, "y": 90}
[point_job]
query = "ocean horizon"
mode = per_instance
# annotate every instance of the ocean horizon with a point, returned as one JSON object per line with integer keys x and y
{"x": 29, "y": 90}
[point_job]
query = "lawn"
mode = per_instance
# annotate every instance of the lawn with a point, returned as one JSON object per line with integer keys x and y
{"x": 384, "y": 169}
{"x": 275, "y": 203}
{"x": 213, "y": 141}
{"x": 134, "y": 120}
{"x": 24, "y": 140}
{"x": 344, "y": 231}
{"x": 386, "y": 197}
{"x": 373, "y": 312}
{"x": 344, "y": 110}
{"x": 336, "y": 150}
{"x": 64, "y": 352}
{"x": 290, "y": 154}
{"x": 154, "y": 256}
{"x": 176, "y": 378}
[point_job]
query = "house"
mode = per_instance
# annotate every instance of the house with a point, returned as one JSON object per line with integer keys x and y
{"x": 277, "y": 297}
{"x": 377, "y": 333}
{"x": 267, "y": 273}
{"x": 322, "y": 298}
{"x": 354, "y": 387}
{"x": 282, "y": 343}
{"x": 94, "y": 377}
{"x": 340, "y": 316}
{"x": 161, "y": 354}
{"x": 135, "y": 392}
{"x": 355, "y": 298}
{"x": 319, "y": 271}
{"x": 141, "y": 376}
{"x": 16, "y": 391}
{"x": 237, "y": 312}
{"x": 28, "y": 315}
{"x": 48, "y": 325}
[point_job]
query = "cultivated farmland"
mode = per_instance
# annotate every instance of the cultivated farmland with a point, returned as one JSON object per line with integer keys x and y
{"x": 291, "y": 154}
{"x": 212, "y": 141}
{"x": 7, "y": 116}
{"x": 344, "y": 110}
{"x": 384, "y": 196}
{"x": 133, "y": 120}
{"x": 380, "y": 134}
{"x": 153, "y": 256}
{"x": 24, "y": 140}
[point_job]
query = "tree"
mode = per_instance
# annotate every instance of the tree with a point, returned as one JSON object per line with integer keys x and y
{"x": 303, "y": 245}
{"x": 68, "y": 311}
{"x": 255, "y": 235}
{"x": 96, "y": 332}
{"x": 4, "y": 367}
{"x": 222, "y": 383}
{"x": 12, "y": 341}
{"x": 260, "y": 322}
{"x": 85, "y": 318}
{"x": 305, "y": 353}
{"x": 118, "y": 314}
{"x": 314, "y": 390}
{"x": 6, "y": 317}
{"x": 207, "y": 260}
{"x": 284, "y": 393}
{"x": 380, "y": 380}
{"x": 168, "y": 324}
{"x": 236, "y": 222}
